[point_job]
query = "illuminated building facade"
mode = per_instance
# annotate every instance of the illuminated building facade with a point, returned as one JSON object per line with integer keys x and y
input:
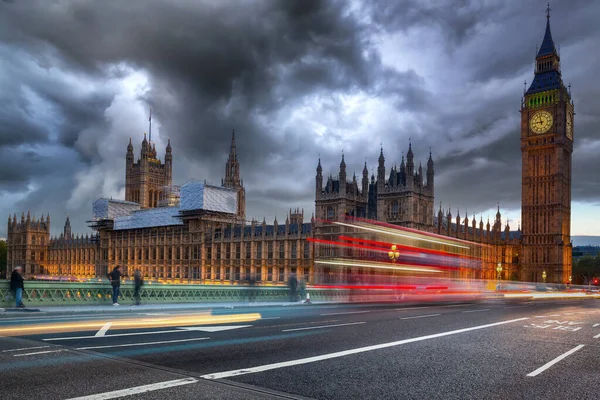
{"x": 198, "y": 236}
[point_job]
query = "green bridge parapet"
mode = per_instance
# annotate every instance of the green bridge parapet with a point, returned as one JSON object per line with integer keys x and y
{"x": 39, "y": 293}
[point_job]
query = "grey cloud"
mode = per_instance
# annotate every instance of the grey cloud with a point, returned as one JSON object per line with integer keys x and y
{"x": 249, "y": 66}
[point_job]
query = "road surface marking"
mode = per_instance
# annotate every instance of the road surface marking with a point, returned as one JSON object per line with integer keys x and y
{"x": 141, "y": 344}
{"x": 344, "y": 353}
{"x": 26, "y": 348}
{"x": 38, "y": 352}
{"x": 320, "y": 327}
{"x": 597, "y": 336}
{"x": 349, "y": 312}
{"x": 213, "y": 328}
{"x": 114, "y": 335}
{"x": 422, "y": 316}
{"x": 137, "y": 389}
{"x": 103, "y": 330}
{"x": 484, "y": 309}
{"x": 595, "y": 325}
{"x": 557, "y": 359}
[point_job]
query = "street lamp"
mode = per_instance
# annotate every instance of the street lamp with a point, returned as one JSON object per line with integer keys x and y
{"x": 544, "y": 276}
{"x": 394, "y": 253}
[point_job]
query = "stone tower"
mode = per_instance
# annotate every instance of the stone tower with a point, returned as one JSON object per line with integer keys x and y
{"x": 27, "y": 243}
{"x": 232, "y": 179}
{"x": 146, "y": 179}
{"x": 546, "y": 144}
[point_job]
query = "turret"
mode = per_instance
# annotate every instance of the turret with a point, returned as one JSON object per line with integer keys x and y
{"x": 402, "y": 173}
{"x": 319, "y": 179}
{"x": 145, "y": 152}
{"x": 342, "y": 176}
{"x": 169, "y": 162}
{"x": 420, "y": 176}
{"x": 410, "y": 163}
{"x": 365, "y": 180}
{"x": 67, "y": 228}
{"x": 430, "y": 172}
{"x": 381, "y": 169}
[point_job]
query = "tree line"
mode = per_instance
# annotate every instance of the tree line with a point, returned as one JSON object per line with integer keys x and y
{"x": 586, "y": 269}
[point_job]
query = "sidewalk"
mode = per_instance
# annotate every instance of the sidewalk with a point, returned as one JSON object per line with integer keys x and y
{"x": 128, "y": 308}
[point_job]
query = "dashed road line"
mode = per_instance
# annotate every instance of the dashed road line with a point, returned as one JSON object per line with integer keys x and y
{"x": 38, "y": 352}
{"x": 140, "y": 344}
{"x": 421, "y": 316}
{"x": 137, "y": 389}
{"x": 322, "y": 326}
{"x": 103, "y": 330}
{"x": 25, "y": 348}
{"x": 349, "y": 312}
{"x": 484, "y": 309}
{"x": 557, "y": 359}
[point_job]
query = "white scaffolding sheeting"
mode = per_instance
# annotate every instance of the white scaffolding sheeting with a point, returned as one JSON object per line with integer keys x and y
{"x": 162, "y": 216}
{"x": 199, "y": 196}
{"x": 111, "y": 209}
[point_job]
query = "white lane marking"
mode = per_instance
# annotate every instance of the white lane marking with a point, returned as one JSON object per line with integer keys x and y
{"x": 103, "y": 330}
{"x": 557, "y": 359}
{"x": 422, "y": 316}
{"x": 213, "y": 328}
{"x": 349, "y": 312}
{"x": 141, "y": 344}
{"x": 483, "y": 309}
{"x": 38, "y": 352}
{"x": 595, "y": 325}
{"x": 114, "y": 335}
{"x": 320, "y": 327}
{"x": 597, "y": 336}
{"x": 137, "y": 389}
{"x": 458, "y": 305}
{"x": 26, "y": 348}
{"x": 338, "y": 354}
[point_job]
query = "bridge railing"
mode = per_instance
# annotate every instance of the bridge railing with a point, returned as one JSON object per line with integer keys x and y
{"x": 39, "y": 293}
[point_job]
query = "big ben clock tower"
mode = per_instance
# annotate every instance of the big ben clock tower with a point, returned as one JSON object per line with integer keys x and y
{"x": 546, "y": 145}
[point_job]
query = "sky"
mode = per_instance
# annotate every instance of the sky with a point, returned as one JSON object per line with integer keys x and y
{"x": 297, "y": 80}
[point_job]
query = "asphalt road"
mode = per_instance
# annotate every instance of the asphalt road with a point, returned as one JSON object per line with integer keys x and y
{"x": 492, "y": 350}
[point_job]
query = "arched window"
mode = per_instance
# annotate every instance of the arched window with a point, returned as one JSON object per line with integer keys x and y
{"x": 395, "y": 208}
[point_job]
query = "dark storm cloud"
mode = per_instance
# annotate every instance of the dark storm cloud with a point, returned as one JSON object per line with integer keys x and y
{"x": 294, "y": 79}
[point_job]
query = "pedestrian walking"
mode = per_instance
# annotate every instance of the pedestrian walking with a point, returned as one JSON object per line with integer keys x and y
{"x": 17, "y": 286}
{"x": 293, "y": 286}
{"x": 115, "y": 280}
{"x": 138, "y": 281}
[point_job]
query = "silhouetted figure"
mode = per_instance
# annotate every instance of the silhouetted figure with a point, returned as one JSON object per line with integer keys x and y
{"x": 293, "y": 286}
{"x": 138, "y": 281}
{"x": 251, "y": 281}
{"x": 115, "y": 280}
{"x": 17, "y": 286}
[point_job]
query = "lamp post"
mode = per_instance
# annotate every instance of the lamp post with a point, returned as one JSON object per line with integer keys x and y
{"x": 544, "y": 276}
{"x": 394, "y": 253}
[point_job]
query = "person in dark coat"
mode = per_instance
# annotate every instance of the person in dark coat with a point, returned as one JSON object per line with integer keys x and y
{"x": 17, "y": 286}
{"x": 293, "y": 286}
{"x": 138, "y": 282}
{"x": 115, "y": 280}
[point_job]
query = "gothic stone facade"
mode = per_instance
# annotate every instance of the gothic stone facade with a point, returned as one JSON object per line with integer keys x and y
{"x": 202, "y": 247}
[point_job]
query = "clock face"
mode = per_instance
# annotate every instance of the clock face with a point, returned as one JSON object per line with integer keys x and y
{"x": 570, "y": 125}
{"x": 541, "y": 122}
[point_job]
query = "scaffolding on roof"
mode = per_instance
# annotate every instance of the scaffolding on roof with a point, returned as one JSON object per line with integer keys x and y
{"x": 170, "y": 196}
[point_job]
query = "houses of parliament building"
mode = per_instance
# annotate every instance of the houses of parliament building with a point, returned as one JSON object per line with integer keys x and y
{"x": 198, "y": 232}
